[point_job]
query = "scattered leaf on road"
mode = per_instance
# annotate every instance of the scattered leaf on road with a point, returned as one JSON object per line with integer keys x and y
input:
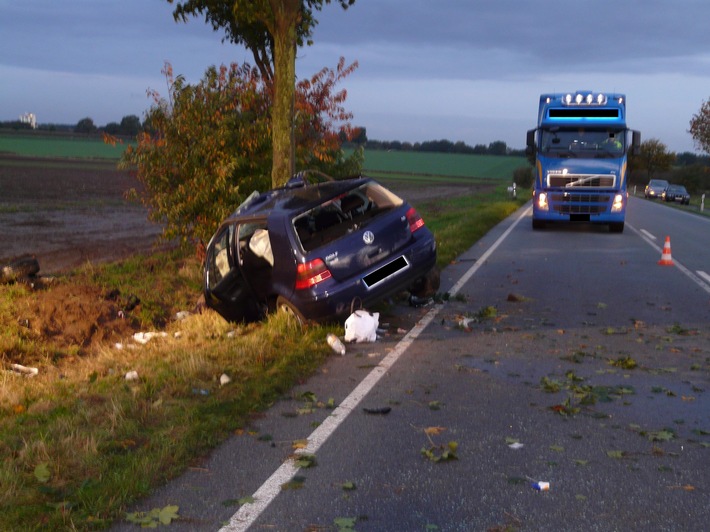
{"x": 295, "y": 483}
{"x": 345, "y": 524}
{"x": 305, "y": 461}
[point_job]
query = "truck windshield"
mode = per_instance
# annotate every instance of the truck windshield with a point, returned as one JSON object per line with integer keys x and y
{"x": 582, "y": 142}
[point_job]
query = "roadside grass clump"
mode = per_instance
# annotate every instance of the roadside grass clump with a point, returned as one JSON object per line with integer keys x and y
{"x": 81, "y": 443}
{"x": 17, "y": 341}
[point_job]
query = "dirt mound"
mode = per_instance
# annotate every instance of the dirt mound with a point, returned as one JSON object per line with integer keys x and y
{"x": 78, "y": 315}
{"x": 69, "y": 315}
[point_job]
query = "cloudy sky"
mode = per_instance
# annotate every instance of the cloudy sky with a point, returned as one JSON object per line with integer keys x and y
{"x": 463, "y": 70}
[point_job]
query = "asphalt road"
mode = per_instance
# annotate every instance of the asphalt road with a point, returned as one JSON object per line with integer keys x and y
{"x": 569, "y": 356}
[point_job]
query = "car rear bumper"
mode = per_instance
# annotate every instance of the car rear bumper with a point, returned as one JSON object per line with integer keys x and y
{"x": 334, "y": 299}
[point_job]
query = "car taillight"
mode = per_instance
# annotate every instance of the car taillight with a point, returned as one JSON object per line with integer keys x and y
{"x": 311, "y": 273}
{"x": 415, "y": 221}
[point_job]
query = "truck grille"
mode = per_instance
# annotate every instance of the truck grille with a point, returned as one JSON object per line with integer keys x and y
{"x": 581, "y": 180}
{"x": 570, "y": 203}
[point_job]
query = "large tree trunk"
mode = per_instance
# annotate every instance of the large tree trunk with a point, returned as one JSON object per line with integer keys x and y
{"x": 286, "y": 15}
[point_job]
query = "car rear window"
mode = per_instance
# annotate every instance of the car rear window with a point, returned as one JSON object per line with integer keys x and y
{"x": 338, "y": 216}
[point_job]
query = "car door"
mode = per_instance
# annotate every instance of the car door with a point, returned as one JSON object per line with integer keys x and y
{"x": 255, "y": 258}
{"x": 226, "y": 290}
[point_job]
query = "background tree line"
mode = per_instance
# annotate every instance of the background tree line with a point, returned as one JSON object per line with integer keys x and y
{"x": 129, "y": 126}
{"x": 497, "y": 147}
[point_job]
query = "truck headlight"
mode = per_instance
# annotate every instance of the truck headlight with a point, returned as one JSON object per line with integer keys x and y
{"x": 542, "y": 201}
{"x": 618, "y": 203}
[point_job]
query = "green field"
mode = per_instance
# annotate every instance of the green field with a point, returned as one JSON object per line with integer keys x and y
{"x": 454, "y": 165}
{"x": 79, "y": 147}
{"x": 378, "y": 163}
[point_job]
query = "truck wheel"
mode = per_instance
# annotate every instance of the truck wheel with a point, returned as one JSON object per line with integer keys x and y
{"x": 617, "y": 227}
{"x": 538, "y": 224}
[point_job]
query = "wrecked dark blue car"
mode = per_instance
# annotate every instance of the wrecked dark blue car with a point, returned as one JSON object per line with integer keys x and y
{"x": 318, "y": 251}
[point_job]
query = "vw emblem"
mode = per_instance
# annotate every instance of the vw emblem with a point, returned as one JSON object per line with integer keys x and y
{"x": 368, "y": 237}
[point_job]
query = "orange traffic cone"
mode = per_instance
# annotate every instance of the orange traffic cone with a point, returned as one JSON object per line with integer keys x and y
{"x": 666, "y": 259}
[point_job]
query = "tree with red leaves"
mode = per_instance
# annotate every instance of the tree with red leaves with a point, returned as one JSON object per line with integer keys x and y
{"x": 208, "y": 146}
{"x": 272, "y": 30}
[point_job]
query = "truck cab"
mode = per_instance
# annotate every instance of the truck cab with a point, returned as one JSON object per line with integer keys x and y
{"x": 580, "y": 147}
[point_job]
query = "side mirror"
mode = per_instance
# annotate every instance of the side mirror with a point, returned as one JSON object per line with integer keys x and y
{"x": 635, "y": 142}
{"x": 530, "y": 142}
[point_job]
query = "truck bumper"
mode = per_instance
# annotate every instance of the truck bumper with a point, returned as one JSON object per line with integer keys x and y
{"x": 593, "y": 206}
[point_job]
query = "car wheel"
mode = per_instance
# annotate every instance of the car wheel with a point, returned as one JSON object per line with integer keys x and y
{"x": 284, "y": 305}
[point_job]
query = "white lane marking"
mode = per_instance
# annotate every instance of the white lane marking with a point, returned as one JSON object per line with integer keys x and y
{"x": 704, "y": 275}
{"x": 482, "y": 259}
{"x": 690, "y": 275}
{"x": 649, "y": 235}
{"x": 248, "y": 513}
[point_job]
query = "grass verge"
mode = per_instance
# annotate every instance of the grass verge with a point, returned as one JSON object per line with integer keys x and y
{"x": 461, "y": 221}
{"x": 80, "y": 443}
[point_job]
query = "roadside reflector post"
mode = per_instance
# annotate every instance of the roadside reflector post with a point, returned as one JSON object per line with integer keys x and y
{"x": 513, "y": 191}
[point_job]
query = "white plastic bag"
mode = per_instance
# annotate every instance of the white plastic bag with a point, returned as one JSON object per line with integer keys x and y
{"x": 361, "y": 326}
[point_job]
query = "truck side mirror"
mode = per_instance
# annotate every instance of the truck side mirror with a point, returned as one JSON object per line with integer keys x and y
{"x": 635, "y": 142}
{"x": 530, "y": 142}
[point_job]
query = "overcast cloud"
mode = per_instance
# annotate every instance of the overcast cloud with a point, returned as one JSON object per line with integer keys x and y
{"x": 461, "y": 70}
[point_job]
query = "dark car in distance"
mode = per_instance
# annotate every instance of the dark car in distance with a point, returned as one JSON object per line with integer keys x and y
{"x": 655, "y": 188}
{"x": 318, "y": 251}
{"x": 676, "y": 193}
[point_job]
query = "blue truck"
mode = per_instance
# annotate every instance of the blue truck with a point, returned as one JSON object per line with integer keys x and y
{"x": 581, "y": 147}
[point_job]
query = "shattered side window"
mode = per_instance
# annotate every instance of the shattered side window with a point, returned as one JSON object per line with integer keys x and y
{"x": 342, "y": 215}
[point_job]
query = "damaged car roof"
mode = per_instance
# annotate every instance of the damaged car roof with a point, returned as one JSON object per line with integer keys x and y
{"x": 295, "y": 196}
